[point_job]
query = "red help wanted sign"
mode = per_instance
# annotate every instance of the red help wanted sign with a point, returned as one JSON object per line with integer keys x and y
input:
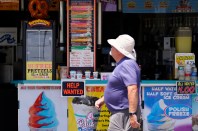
{"x": 73, "y": 88}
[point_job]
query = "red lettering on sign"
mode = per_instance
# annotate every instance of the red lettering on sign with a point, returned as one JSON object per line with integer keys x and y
{"x": 73, "y": 91}
{"x": 72, "y": 85}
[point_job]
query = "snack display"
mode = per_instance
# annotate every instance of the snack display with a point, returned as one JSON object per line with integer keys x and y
{"x": 42, "y": 115}
{"x": 85, "y": 113}
{"x": 157, "y": 120}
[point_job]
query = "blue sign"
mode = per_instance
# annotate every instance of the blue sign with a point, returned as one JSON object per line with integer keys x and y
{"x": 159, "y": 6}
{"x": 164, "y": 109}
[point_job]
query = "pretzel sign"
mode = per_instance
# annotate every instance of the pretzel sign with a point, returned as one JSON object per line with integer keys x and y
{"x": 38, "y": 8}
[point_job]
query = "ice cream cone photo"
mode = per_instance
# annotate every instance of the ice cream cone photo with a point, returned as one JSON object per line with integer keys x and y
{"x": 42, "y": 114}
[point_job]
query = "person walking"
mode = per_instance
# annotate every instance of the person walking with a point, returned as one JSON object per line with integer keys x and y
{"x": 122, "y": 93}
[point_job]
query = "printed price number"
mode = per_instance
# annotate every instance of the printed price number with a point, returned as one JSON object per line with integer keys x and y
{"x": 190, "y": 62}
{"x": 186, "y": 87}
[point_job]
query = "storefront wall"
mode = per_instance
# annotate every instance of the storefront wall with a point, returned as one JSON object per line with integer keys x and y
{"x": 162, "y": 107}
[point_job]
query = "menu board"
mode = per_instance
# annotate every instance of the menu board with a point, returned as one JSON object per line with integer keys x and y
{"x": 81, "y": 58}
{"x": 159, "y": 6}
{"x": 81, "y": 33}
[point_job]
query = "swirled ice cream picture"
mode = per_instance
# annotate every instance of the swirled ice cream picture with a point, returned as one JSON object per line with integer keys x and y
{"x": 86, "y": 114}
{"x": 42, "y": 115}
{"x": 157, "y": 120}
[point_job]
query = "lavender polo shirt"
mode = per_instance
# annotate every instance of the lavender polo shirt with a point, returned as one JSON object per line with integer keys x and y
{"x": 126, "y": 73}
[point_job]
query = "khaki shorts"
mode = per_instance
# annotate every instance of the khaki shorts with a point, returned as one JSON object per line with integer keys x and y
{"x": 120, "y": 121}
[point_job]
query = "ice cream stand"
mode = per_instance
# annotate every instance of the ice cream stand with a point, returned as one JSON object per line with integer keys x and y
{"x": 42, "y": 104}
{"x": 162, "y": 106}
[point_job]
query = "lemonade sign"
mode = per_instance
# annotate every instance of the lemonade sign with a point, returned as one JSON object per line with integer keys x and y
{"x": 182, "y": 59}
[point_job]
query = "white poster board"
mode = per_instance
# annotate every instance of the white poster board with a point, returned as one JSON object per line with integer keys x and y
{"x": 41, "y": 106}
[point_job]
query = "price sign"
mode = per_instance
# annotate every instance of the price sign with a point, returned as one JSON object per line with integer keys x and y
{"x": 186, "y": 87}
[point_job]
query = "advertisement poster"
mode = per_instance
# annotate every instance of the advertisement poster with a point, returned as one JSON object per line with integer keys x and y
{"x": 159, "y": 6}
{"x": 166, "y": 110}
{"x": 195, "y": 112}
{"x": 181, "y": 59}
{"x": 83, "y": 116}
{"x": 8, "y": 36}
{"x": 38, "y": 70}
{"x": 41, "y": 107}
{"x": 9, "y": 5}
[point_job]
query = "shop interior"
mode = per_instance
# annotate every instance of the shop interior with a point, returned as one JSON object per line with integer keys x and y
{"x": 150, "y": 32}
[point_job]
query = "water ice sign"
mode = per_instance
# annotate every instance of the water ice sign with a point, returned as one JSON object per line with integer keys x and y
{"x": 166, "y": 110}
{"x": 72, "y": 88}
{"x": 186, "y": 87}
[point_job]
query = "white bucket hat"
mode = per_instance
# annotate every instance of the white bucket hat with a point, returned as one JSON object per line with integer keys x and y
{"x": 125, "y": 45}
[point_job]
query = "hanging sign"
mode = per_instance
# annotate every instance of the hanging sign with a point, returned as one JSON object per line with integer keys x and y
{"x": 186, "y": 87}
{"x": 81, "y": 34}
{"x": 72, "y": 88}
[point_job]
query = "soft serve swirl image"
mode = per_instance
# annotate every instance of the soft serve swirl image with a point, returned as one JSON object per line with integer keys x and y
{"x": 42, "y": 113}
{"x": 157, "y": 120}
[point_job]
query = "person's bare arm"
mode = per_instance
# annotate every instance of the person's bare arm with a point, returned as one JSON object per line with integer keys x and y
{"x": 133, "y": 104}
{"x": 133, "y": 98}
{"x": 99, "y": 103}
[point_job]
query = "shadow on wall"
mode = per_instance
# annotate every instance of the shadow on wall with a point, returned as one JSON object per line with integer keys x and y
{"x": 9, "y": 107}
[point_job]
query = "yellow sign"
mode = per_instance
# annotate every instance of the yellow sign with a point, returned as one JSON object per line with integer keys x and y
{"x": 38, "y": 70}
{"x": 39, "y": 22}
{"x": 82, "y": 113}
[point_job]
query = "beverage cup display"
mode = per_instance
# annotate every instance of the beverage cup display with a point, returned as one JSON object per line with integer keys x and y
{"x": 73, "y": 74}
{"x": 95, "y": 75}
{"x": 78, "y": 72}
{"x": 43, "y": 129}
{"x": 79, "y": 76}
{"x": 87, "y": 74}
